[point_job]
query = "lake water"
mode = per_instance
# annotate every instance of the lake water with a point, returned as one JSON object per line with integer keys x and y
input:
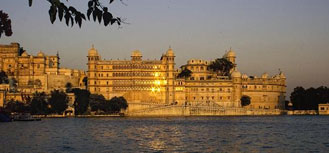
{"x": 183, "y": 134}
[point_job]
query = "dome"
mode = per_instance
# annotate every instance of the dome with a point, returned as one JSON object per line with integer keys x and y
{"x": 24, "y": 54}
{"x": 41, "y": 54}
{"x": 170, "y": 52}
{"x": 92, "y": 51}
{"x": 136, "y": 53}
{"x": 230, "y": 53}
{"x": 265, "y": 75}
{"x": 236, "y": 74}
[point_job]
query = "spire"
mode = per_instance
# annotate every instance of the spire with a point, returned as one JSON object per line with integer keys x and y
{"x": 92, "y": 46}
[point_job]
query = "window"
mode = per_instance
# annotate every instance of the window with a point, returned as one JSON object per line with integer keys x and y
{"x": 201, "y": 78}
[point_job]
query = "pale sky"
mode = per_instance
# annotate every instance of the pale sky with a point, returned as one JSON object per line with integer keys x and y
{"x": 266, "y": 35}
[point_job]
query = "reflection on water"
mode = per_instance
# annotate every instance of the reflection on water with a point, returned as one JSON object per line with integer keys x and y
{"x": 191, "y": 134}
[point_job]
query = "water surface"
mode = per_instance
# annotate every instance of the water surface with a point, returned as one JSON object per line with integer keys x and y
{"x": 184, "y": 134}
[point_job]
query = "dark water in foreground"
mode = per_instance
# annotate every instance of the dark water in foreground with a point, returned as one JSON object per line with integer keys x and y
{"x": 191, "y": 134}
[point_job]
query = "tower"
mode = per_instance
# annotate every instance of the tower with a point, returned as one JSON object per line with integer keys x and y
{"x": 237, "y": 92}
{"x": 170, "y": 68}
{"x": 93, "y": 58}
{"x": 231, "y": 56}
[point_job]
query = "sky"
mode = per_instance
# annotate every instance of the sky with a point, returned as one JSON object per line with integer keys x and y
{"x": 267, "y": 35}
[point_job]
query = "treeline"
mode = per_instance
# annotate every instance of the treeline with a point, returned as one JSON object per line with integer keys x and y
{"x": 309, "y": 99}
{"x": 58, "y": 101}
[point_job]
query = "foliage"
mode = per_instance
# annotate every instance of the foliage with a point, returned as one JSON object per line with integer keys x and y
{"x": 3, "y": 78}
{"x": 116, "y": 104}
{"x": 39, "y": 104}
{"x": 222, "y": 66}
{"x": 58, "y": 101}
{"x": 68, "y": 87}
{"x": 310, "y": 98}
{"x": 5, "y": 24}
{"x": 16, "y": 106}
{"x": 13, "y": 85}
{"x": 245, "y": 100}
{"x": 185, "y": 73}
{"x": 97, "y": 102}
{"x": 72, "y": 15}
{"x": 85, "y": 81}
{"x": 113, "y": 106}
{"x": 81, "y": 101}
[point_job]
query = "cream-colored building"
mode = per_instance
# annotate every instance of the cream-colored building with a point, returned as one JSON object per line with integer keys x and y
{"x": 324, "y": 109}
{"x": 156, "y": 82}
{"x": 36, "y": 73}
{"x": 137, "y": 80}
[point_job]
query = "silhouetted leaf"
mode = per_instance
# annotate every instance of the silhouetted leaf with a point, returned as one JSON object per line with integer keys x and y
{"x": 52, "y": 13}
{"x": 67, "y": 18}
{"x": 107, "y": 18}
{"x": 60, "y": 13}
{"x": 111, "y": 1}
{"x": 72, "y": 9}
{"x": 113, "y": 21}
{"x": 30, "y": 3}
{"x": 83, "y": 16}
{"x": 90, "y": 10}
{"x": 94, "y": 15}
{"x": 105, "y": 9}
{"x": 72, "y": 21}
{"x": 90, "y": 4}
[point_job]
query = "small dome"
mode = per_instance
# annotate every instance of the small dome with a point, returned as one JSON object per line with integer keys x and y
{"x": 236, "y": 74}
{"x": 41, "y": 54}
{"x": 136, "y": 53}
{"x": 92, "y": 51}
{"x": 230, "y": 53}
{"x": 245, "y": 76}
{"x": 265, "y": 75}
{"x": 282, "y": 75}
{"x": 170, "y": 52}
{"x": 24, "y": 54}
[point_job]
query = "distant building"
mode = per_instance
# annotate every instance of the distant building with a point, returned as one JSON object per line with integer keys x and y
{"x": 155, "y": 81}
{"x": 28, "y": 74}
{"x": 324, "y": 109}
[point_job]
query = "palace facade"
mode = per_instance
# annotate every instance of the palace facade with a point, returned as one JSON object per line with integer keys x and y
{"x": 28, "y": 73}
{"x": 155, "y": 82}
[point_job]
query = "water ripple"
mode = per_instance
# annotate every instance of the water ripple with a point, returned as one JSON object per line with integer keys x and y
{"x": 185, "y": 134}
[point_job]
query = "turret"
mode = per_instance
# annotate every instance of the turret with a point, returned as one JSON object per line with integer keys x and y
{"x": 237, "y": 93}
{"x": 169, "y": 59}
{"x": 93, "y": 54}
{"x": 136, "y": 55}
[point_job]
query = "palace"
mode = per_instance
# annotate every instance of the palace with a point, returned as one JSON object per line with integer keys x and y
{"x": 28, "y": 74}
{"x": 155, "y": 82}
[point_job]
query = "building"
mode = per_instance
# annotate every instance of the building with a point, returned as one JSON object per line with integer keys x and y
{"x": 137, "y": 80}
{"x": 324, "y": 109}
{"x": 155, "y": 82}
{"x": 28, "y": 74}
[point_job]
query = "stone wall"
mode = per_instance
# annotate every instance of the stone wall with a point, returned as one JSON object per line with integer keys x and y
{"x": 174, "y": 110}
